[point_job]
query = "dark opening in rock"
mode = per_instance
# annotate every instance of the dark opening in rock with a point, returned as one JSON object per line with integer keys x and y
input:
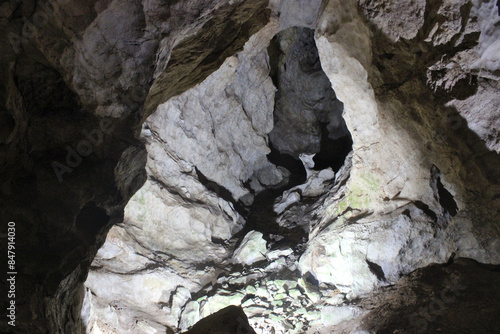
{"x": 90, "y": 220}
{"x": 293, "y": 165}
{"x": 425, "y": 209}
{"x": 376, "y": 270}
{"x": 311, "y": 279}
{"x": 44, "y": 91}
{"x": 446, "y": 199}
{"x": 332, "y": 151}
{"x": 219, "y": 191}
{"x": 307, "y": 115}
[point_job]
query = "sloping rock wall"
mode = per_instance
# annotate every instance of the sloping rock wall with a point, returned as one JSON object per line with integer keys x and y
{"x": 165, "y": 133}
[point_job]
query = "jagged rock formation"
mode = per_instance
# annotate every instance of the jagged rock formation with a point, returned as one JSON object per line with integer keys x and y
{"x": 310, "y": 161}
{"x": 67, "y": 66}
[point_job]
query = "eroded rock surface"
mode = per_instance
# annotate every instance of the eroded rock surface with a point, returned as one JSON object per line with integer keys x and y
{"x": 67, "y": 66}
{"x": 307, "y": 110}
{"x": 405, "y": 198}
{"x": 206, "y": 146}
{"x": 453, "y": 298}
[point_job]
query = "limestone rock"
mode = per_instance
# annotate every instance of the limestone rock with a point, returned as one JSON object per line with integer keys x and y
{"x": 437, "y": 299}
{"x": 305, "y": 98}
{"x": 65, "y": 67}
{"x": 252, "y": 249}
{"x": 141, "y": 141}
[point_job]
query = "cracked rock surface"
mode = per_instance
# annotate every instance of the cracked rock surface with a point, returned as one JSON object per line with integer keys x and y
{"x": 322, "y": 166}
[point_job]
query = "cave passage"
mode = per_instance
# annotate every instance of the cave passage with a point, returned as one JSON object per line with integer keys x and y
{"x": 307, "y": 115}
{"x": 307, "y": 119}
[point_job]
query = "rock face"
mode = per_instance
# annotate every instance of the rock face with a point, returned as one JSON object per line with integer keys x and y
{"x": 306, "y": 103}
{"x": 324, "y": 165}
{"x": 401, "y": 171}
{"x": 435, "y": 299}
{"x": 73, "y": 70}
{"x": 229, "y": 320}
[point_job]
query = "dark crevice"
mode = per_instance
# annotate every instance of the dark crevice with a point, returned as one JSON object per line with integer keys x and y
{"x": 44, "y": 91}
{"x": 425, "y": 209}
{"x": 327, "y": 127}
{"x": 332, "y": 151}
{"x": 311, "y": 279}
{"x": 376, "y": 270}
{"x": 451, "y": 259}
{"x": 446, "y": 199}
{"x": 90, "y": 220}
{"x": 218, "y": 241}
{"x": 262, "y": 217}
{"x": 220, "y": 191}
{"x": 294, "y": 166}
{"x": 274, "y": 52}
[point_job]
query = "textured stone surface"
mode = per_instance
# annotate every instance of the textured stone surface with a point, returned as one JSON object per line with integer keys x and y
{"x": 305, "y": 97}
{"x": 398, "y": 164}
{"x": 252, "y": 249}
{"x": 66, "y": 66}
{"x": 454, "y": 298}
{"x": 220, "y": 127}
{"x": 185, "y": 169}
{"x": 203, "y": 146}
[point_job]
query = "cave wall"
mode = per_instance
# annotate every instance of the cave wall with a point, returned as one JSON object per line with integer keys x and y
{"x": 419, "y": 87}
{"x": 411, "y": 173}
{"x": 71, "y": 70}
{"x": 411, "y": 194}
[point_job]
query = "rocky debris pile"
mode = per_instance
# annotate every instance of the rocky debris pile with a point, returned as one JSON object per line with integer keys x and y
{"x": 264, "y": 278}
{"x": 274, "y": 295}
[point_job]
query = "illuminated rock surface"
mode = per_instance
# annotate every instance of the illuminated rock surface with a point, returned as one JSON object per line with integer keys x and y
{"x": 327, "y": 166}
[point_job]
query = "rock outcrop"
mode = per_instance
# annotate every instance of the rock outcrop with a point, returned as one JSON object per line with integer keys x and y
{"x": 326, "y": 166}
{"x": 75, "y": 78}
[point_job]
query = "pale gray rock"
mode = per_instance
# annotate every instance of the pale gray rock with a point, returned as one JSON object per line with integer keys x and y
{"x": 363, "y": 256}
{"x": 220, "y": 127}
{"x": 395, "y": 18}
{"x": 252, "y": 249}
{"x": 331, "y": 316}
{"x": 189, "y": 88}
{"x": 297, "y": 13}
{"x": 436, "y": 208}
{"x": 165, "y": 225}
{"x": 405, "y": 198}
